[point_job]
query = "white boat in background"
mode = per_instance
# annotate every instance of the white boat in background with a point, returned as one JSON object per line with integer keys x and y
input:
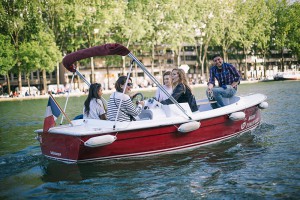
{"x": 289, "y": 75}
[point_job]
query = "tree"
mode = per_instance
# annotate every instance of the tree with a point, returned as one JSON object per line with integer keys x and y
{"x": 133, "y": 27}
{"x": 49, "y": 54}
{"x": 7, "y": 60}
{"x": 255, "y": 26}
{"x": 282, "y": 28}
{"x": 29, "y": 58}
{"x": 294, "y": 33}
{"x": 20, "y": 20}
{"x": 204, "y": 25}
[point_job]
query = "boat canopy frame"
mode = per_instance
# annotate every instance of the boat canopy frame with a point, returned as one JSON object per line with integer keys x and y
{"x": 112, "y": 49}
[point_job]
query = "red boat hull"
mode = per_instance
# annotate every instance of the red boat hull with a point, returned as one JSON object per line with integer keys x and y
{"x": 145, "y": 142}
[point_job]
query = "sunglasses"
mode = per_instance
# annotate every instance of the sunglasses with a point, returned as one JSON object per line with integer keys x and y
{"x": 129, "y": 84}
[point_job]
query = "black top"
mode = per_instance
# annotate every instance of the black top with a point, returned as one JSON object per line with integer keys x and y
{"x": 182, "y": 94}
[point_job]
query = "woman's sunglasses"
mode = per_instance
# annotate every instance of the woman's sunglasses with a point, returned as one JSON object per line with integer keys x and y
{"x": 129, "y": 84}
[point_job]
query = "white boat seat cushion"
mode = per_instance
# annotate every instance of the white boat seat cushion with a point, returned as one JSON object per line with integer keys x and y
{"x": 146, "y": 115}
{"x": 228, "y": 101}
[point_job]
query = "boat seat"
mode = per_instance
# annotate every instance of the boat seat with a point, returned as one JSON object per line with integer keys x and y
{"x": 231, "y": 100}
{"x": 146, "y": 115}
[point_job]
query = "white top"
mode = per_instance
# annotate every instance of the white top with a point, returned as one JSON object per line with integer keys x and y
{"x": 160, "y": 95}
{"x": 96, "y": 109}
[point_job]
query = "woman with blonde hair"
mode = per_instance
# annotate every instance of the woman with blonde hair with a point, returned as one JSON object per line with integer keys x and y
{"x": 182, "y": 92}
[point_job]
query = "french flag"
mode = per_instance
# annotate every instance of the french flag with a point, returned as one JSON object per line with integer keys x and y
{"x": 52, "y": 113}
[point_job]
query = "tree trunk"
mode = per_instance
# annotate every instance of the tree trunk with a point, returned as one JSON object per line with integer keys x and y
{"x": 92, "y": 70}
{"x": 123, "y": 65}
{"x": 57, "y": 75}
{"x": 197, "y": 62}
{"x": 203, "y": 61}
{"x": 264, "y": 63}
{"x": 178, "y": 56}
{"x": 107, "y": 72}
{"x": 8, "y": 83}
{"x": 20, "y": 80}
{"x": 45, "y": 81}
{"x": 225, "y": 56}
{"x": 246, "y": 67}
{"x": 282, "y": 60}
{"x": 152, "y": 59}
{"x": 28, "y": 83}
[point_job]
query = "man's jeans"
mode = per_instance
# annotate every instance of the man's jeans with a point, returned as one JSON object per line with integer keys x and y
{"x": 218, "y": 94}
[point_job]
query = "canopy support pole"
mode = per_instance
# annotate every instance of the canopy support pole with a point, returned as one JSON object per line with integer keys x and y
{"x": 62, "y": 118}
{"x": 124, "y": 89}
{"x": 89, "y": 84}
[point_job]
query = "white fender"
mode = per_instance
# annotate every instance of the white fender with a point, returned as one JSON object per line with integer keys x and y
{"x": 100, "y": 141}
{"x": 189, "y": 126}
{"x": 237, "y": 116}
{"x": 263, "y": 105}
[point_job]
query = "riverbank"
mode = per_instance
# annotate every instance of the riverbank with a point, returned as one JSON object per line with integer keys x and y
{"x": 78, "y": 94}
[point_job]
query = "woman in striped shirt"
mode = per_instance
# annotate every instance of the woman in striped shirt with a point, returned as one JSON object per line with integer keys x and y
{"x": 127, "y": 110}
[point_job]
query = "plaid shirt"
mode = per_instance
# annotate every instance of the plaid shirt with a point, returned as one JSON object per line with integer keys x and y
{"x": 226, "y": 76}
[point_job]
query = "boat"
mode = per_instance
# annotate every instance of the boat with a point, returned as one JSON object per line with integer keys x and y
{"x": 288, "y": 75}
{"x": 159, "y": 129}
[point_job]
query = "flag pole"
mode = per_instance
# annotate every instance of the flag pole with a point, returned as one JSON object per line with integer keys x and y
{"x": 61, "y": 110}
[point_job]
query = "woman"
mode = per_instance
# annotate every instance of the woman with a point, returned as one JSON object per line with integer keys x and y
{"x": 127, "y": 110}
{"x": 182, "y": 92}
{"x": 167, "y": 81}
{"x": 93, "y": 105}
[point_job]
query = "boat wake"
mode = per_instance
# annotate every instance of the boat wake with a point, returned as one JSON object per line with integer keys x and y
{"x": 11, "y": 164}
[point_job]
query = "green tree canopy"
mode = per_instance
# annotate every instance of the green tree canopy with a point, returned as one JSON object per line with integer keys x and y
{"x": 7, "y": 56}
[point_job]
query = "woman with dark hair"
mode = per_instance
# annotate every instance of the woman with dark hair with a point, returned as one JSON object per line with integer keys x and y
{"x": 182, "y": 92}
{"x": 127, "y": 110}
{"x": 93, "y": 105}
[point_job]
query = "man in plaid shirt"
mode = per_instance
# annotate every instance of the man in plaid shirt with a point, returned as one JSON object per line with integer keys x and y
{"x": 228, "y": 78}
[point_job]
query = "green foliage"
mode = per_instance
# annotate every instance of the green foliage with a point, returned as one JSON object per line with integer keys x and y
{"x": 46, "y": 29}
{"x": 7, "y": 60}
{"x": 294, "y": 33}
{"x": 40, "y": 53}
{"x": 29, "y": 56}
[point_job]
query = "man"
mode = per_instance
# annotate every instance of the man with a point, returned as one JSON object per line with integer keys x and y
{"x": 228, "y": 79}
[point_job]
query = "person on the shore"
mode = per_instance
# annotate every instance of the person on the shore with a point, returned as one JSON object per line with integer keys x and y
{"x": 228, "y": 78}
{"x": 93, "y": 105}
{"x": 182, "y": 92}
{"x": 167, "y": 85}
{"x": 127, "y": 110}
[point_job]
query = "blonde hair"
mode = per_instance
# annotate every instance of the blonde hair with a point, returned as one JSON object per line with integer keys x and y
{"x": 182, "y": 78}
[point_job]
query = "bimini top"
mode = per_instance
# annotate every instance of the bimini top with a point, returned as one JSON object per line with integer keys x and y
{"x": 103, "y": 50}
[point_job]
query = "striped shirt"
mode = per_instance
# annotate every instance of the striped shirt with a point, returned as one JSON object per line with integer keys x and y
{"x": 225, "y": 76}
{"x": 127, "y": 107}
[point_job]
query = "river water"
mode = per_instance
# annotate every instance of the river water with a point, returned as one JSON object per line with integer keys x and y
{"x": 262, "y": 164}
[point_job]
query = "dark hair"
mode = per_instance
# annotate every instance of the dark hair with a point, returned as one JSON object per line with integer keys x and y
{"x": 93, "y": 93}
{"x": 121, "y": 81}
{"x": 167, "y": 73}
{"x": 216, "y": 55}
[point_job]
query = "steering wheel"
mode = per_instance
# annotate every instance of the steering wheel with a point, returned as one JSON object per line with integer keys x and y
{"x": 137, "y": 97}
